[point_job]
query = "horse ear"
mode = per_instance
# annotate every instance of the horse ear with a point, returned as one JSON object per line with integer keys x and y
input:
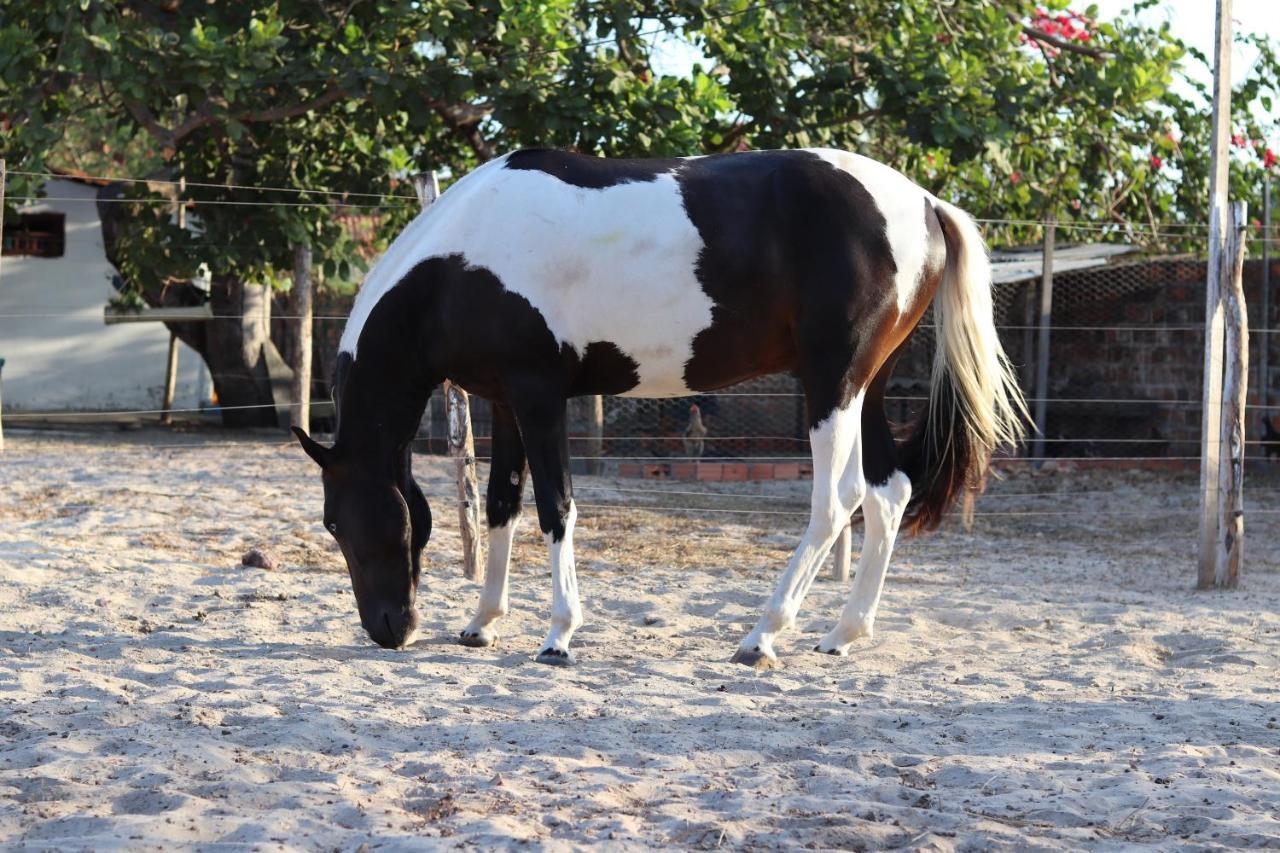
{"x": 315, "y": 449}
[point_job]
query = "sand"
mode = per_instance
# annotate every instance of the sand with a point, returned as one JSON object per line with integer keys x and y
{"x": 1044, "y": 681}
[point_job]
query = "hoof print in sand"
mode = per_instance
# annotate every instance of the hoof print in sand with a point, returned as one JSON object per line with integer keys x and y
{"x": 755, "y": 659}
{"x": 556, "y": 657}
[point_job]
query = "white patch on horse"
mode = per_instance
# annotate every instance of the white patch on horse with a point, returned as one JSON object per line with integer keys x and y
{"x": 493, "y": 598}
{"x": 902, "y": 204}
{"x": 566, "y": 611}
{"x": 614, "y": 265}
{"x": 838, "y": 489}
{"x": 882, "y": 513}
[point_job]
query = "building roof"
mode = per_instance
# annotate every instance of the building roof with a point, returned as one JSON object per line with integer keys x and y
{"x": 1009, "y": 266}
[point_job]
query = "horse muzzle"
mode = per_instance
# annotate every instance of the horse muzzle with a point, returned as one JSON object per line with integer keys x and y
{"x": 392, "y": 626}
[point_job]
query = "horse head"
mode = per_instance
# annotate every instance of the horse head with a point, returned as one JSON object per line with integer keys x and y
{"x": 381, "y": 521}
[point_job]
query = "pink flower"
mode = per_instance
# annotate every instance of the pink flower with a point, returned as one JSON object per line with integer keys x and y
{"x": 1268, "y": 158}
{"x": 1015, "y": 177}
{"x": 1239, "y": 140}
{"x": 1156, "y": 161}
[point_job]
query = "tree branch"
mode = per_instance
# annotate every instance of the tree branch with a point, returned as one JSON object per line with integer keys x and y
{"x": 327, "y": 98}
{"x": 1061, "y": 44}
{"x": 203, "y": 116}
{"x": 464, "y": 121}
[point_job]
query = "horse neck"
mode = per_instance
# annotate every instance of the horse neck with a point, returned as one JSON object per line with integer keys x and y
{"x": 380, "y": 407}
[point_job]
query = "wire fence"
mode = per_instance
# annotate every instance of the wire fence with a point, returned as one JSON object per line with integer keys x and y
{"x": 1125, "y": 360}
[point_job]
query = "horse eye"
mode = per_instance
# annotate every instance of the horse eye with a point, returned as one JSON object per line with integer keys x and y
{"x": 333, "y": 527}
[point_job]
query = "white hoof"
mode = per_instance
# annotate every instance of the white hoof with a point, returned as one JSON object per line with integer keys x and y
{"x": 841, "y": 637}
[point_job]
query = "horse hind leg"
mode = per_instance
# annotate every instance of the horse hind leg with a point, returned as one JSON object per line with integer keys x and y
{"x": 838, "y": 488}
{"x": 888, "y": 493}
{"x": 507, "y": 472}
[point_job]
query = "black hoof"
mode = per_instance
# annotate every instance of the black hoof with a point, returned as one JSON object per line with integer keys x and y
{"x": 556, "y": 657}
{"x": 835, "y": 652}
{"x": 755, "y": 659}
{"x": 476, "y": 641}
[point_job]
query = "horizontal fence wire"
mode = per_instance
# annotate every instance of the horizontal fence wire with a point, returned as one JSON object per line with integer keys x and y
{"x": 978, "y": 514}
{"x": 771, "y": 420}
{"x": 70, "y": 312}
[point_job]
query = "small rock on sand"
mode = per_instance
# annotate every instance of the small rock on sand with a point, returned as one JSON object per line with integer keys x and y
{"x": 256, "y": 558}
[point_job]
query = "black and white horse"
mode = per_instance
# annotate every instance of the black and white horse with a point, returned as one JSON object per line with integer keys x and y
{"x": 545, "y": 275}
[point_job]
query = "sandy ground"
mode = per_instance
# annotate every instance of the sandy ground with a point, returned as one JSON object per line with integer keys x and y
{"x": 1044, "y": 681}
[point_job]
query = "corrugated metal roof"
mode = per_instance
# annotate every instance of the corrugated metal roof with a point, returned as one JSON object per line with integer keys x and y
{"x": 1009, "y": 266}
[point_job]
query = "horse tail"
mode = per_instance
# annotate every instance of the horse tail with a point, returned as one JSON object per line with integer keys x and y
{"x": 974, "y": 405}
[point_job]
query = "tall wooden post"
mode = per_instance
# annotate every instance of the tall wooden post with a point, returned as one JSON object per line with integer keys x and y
{"x": 170, "y": 381}
{"x": 463, "y": 450}
{"x": 461, "y": 441}
{"x": 1235, "y": 390}
{"x": 1042, "y": 350}
{"x": 1219, "y": 270}
{"x": 1264, "y": 368}
{"x": 301, "y": 307}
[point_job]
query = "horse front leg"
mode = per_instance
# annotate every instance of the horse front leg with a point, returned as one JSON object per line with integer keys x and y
{"x": 502, "y": 509}
{"x": 543, "y": 426}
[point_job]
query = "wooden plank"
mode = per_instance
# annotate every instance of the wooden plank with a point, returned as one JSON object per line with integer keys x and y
{"x": 1041, "y": 402}
{"x": 1211, "y": 413}
{"x": 842, "y": 555}
{"x": 301, "y": 307}
{"x": 1235, "y": 390}
{"x": 461, "y": 441}
{"x": 170, "y": 380}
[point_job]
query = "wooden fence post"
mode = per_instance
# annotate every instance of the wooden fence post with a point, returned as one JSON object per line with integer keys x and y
{"x": 1215, "y": 322}
{"x": 595, "y": 434}
{"x": 1042, "y": 351}
{"x": 301, "y": 307}
{"x": 170, "y": 381}
{"x": 462, "y": 448}
{"x": 1235, "y": 390}
{"x": 842, "y": 555}
{"x": 461, "y": 441}
{"x": 1264, "y": 348}
{"x": 3, "y": 176}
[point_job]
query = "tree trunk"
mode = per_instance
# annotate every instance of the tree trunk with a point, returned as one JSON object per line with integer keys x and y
{"x": 236, "y": 344}
{"x": 237, "y": 348}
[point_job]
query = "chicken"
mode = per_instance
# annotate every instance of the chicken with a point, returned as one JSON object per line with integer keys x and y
{"x": 694, "y": 433}
{"x": 1270, "y": 437}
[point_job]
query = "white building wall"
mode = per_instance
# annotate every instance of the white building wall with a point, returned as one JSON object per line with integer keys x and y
{"x": 59, "y": 355}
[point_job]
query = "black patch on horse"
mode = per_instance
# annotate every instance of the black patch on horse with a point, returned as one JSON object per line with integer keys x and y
{"x": 592, "y": 173}
{"x": 787, "y": 237}
{"x": 605, "y": 369}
